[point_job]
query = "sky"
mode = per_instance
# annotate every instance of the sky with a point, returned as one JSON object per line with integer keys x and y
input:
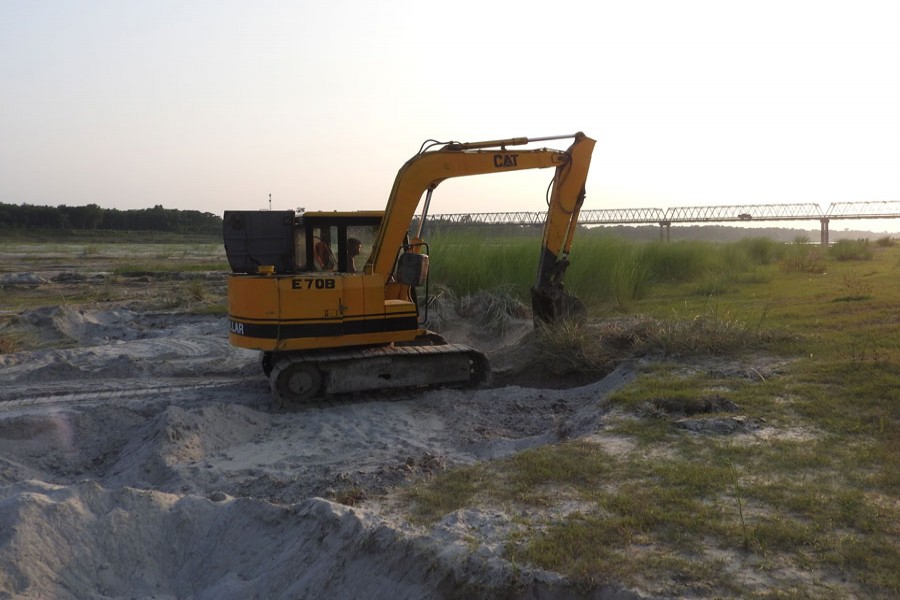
{"x": 215, "y": 105}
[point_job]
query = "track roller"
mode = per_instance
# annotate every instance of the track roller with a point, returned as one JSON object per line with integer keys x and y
{"x": 295, "y": 382}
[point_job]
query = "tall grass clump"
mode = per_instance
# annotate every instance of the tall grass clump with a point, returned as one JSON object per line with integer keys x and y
{"x": 854, "y": 287}
{"x": 676, "y": 262}
{"x": 608, "y": 270}
{"x": 468, "y": 263}
{"x": 493, "y": 312}
{"x": 602, "y": 270}
{"x": 759, "y": 250}
{"x": 629, "y": 278}
{"x": 801, "y": 258}
{"x": 11, "y": 342}
{"x": 714, "y": 331}
{"x": 570, "y": 347}
{"x": 734, "y": 258}
{"x": 851, "y": 250}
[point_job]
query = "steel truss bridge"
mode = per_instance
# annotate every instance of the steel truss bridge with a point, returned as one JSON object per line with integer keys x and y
{"x": 742, "y": 213}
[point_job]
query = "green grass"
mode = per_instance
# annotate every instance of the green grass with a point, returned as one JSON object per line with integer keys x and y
{"x": 53, "y": 236}
{"x": 448, "y": 492}
{"x": 810, "y": 509}
{"x": 12, "y": 341}
{"x": 851, "y": 250}
{"x": 607, "y": 272}
{"x": 573, "y": 347}
{"x": 155, "y": 267}
{"x": 152, "y": 272}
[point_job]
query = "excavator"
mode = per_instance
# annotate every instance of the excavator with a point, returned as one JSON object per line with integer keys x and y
{"x": 336, "y": 302}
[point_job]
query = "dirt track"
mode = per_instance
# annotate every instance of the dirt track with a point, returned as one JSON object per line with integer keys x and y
{"x": 142, "y": 460}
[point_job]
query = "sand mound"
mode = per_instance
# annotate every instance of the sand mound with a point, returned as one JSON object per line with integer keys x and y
{"x": 129, "y": 543}
{"x": 85, "y": 541}
{"x": 144, "y": 462}
{"x": 86, "y": 327}
{"x": 177, "y": 437}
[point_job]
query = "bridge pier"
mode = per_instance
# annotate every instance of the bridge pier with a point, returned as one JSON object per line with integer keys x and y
{"x": 824, "y": 234}
{"x": 664, "y": 230}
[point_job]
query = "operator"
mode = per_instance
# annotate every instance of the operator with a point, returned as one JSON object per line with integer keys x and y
{"x": 353, "y": 248}
{"x": 322, "y": 255}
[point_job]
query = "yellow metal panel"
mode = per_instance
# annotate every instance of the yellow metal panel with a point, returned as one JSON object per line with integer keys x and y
{"x": 374, "y": 292}
{"x": 355, "y": 291}
{"x": 308, "y": 311}
{"x": 253, "y": 297}
{"x": 392, "y": 307}
{"x": 396, "y": 291}
{"x": 310, "y": 296}
{"x": 251, "y": 343}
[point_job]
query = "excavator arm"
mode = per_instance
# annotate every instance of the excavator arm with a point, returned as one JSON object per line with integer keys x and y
{"x": 550, "y": 302}
{"x": 425, "y": 171}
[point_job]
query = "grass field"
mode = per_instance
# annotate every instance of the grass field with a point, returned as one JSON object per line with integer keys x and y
{"x": 757, "y": 454}
{"x": 802, "y": 501}
{"x": 151, "y": 271}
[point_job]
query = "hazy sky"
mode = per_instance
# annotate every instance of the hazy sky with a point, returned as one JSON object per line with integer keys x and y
{"x": 213, "y": 105}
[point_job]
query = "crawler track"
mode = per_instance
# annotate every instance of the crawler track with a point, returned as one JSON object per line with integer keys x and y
{"x": 298, "y": 378}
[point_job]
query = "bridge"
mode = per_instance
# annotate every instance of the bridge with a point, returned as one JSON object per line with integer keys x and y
{"x": 740, "y": 213}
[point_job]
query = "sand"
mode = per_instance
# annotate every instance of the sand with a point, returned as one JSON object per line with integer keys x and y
{"x": 140, "y": 458}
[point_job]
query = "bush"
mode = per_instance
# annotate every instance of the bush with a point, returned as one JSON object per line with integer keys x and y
{"x": 493, "y": 312}
{"x": 715, "y": 285}
{"x": 11, "y": 342}
{"x": 713, "y": 332}
{"x": 851, "y": 250}
{"x": 570, "y": 347}
{"x": 678, "y": 261}
{"x": 854, "y": 287}
{"x": 803, "y": 259}
{"x": 608, "y": 270}
{"x": 468, "y": 263}
{"x": 761, "y": 251}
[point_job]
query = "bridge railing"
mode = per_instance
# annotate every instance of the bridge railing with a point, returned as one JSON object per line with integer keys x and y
{"x": 743, "y": 212}
{"x": 886, "y": 209}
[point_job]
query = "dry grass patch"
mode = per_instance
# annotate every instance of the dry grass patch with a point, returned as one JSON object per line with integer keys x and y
{"x": 11, "y": 341}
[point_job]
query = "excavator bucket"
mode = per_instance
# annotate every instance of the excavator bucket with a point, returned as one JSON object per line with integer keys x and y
{"x": 554, "y": 305}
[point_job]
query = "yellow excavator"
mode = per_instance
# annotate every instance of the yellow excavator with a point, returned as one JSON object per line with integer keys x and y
{"x": 336, "y": 301}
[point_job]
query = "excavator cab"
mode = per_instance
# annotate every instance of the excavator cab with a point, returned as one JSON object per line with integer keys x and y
{"x": 334, "y": 242}
{"x": 312, "y": 242}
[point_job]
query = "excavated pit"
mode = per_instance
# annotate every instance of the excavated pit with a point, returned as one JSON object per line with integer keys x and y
{"x": 141, "y": 459}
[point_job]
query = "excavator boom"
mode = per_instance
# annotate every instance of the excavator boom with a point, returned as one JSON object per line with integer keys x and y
{"x": 425, "y": 171}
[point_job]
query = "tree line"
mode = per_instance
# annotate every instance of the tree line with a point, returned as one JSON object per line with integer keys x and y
{"x": 93, "y": 217}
